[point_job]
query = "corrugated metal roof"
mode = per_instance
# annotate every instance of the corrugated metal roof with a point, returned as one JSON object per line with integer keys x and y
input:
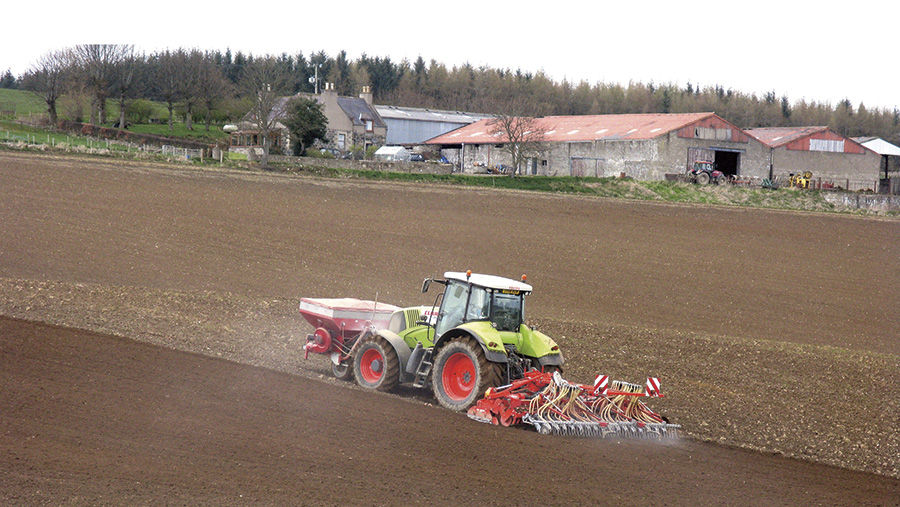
{"x": 775, "y": 137}
{"x": 878, "y": 145}
{"x": 430, "y": 115}
{"x": 583, "y": 128}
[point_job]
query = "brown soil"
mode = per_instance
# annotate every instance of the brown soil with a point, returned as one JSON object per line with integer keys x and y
{"x": 772, "y": 331}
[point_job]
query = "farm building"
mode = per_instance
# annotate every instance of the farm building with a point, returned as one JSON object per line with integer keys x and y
{"x": 890, "y": 163}
{"x": 835, "y": 161}
{"x": 412, "y": 125}
{"x": 352, "y": 122}
{"x": 641, "y": 146}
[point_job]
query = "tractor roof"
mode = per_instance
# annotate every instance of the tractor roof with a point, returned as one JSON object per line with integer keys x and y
{"x": 489, "y": 281}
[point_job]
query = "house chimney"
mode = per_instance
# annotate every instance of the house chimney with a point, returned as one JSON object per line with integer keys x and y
{"x": 366, "y": 94}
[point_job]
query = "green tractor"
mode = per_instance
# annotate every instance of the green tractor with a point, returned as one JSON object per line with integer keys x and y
{"x": 473, "y": 337}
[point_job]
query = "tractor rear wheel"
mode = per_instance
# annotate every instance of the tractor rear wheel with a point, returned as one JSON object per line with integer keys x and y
{"x": 376, "y": 365}
{"x": 551, "y": 369}
{"x": 462, "y": 373}
{"x": 702, "y": 178}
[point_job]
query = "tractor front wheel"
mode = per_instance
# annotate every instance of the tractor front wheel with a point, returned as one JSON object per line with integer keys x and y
{"x": 376, "y": 365}
{"x": 462, "y": 373}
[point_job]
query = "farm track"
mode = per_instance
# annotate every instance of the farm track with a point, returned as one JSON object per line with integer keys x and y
{"x": 766, "y": 336}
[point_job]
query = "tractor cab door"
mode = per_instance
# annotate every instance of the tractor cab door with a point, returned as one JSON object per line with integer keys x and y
{"x": 462, "y": 303}
{"x": 453, "y": 307}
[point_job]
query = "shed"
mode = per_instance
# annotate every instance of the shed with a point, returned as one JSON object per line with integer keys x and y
{"x": 834, "y": 160}
{"x": 890, "y": 163}
{"x": 640, "y": 146}
{"x": 392, "y": 154}
{"x": 411, "y": 125}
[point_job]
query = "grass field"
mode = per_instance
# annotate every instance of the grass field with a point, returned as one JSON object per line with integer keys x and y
{"x": 180, "y": 130}
{"x": 22, "y": 102}
{"x": 26, "y": 103}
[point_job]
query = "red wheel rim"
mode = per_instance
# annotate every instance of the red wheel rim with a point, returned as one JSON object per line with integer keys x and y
{"x": 371, "y": 365}
{"x": 458, "y": 376}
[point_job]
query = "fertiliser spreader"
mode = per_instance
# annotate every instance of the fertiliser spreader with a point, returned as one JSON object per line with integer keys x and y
{"x": 340, "y": 323}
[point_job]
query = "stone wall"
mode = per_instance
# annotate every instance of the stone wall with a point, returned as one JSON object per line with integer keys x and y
{"x": 871, "y": 202}
{"x": 367, "y": 165}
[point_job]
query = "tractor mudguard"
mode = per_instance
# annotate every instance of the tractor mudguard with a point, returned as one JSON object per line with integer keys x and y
{"x": 402, "y": 349}
{"x": 540, "y": 346}
{"x": 478, "y": 330}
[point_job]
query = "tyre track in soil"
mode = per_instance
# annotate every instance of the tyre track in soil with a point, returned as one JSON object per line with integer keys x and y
{"x": 91, "y": 419}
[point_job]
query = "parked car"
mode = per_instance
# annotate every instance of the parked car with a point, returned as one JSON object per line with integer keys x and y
{"x": 416, "y": 157}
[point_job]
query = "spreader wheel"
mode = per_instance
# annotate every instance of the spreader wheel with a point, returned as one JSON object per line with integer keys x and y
{"x": 462, "y": 373}
{"x": 376, "y": 365}
{"x": 343, "y": 371}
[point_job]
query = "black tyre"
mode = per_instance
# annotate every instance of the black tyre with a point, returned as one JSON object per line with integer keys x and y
{"x": 723, "y": 180}
{"x": 376, "y": 365}
{"x": 702, "y": 178}
{"x": 343, "y": 371}
{"x": 462, "y": 373}
{"x": 551, "y": 369}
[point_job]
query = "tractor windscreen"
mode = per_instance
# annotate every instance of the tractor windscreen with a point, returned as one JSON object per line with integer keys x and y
{"x": 507, "y": 311}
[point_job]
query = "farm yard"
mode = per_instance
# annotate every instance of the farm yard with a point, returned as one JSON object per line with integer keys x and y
{"x": 151, "y": 346}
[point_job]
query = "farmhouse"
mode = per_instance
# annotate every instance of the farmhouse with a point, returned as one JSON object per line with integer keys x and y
{"x": 641, "y": 146}
{"x": 833, "y": 160}
{"x": 352, "y": 122}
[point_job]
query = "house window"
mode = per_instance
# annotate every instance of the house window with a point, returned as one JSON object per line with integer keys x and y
{"x": 341, "y": 141}
{"x": 370, "y": 126}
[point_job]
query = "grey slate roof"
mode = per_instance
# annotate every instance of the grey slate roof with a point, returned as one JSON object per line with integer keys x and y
{"x": 358, "y": 110}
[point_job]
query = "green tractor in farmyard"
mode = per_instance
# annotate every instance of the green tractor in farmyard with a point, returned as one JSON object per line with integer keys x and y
{"x": 472, "y": 338}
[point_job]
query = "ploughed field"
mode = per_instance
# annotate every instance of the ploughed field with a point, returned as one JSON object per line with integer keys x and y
{"x": 150, "y": 349}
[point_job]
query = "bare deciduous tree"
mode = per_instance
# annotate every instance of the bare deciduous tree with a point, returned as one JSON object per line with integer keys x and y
{"x": 168, "y": 82}
{"x": 212, "y": 88}
{"x": 263, "y": 81}
{"x": 97, "y": 63}
{"x": 126, "y": 83}
{"x": 48, "y": 77}
{"x": 191, "y": 85}
{"x": 522, "y": 137}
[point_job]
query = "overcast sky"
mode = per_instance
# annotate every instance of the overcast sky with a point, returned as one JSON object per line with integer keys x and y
{"x": 812, "y": 50}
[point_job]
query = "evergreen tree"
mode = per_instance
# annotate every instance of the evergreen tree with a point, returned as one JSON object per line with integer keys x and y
{"x": 306, "y": 122}
{"x": 9, "y": 81}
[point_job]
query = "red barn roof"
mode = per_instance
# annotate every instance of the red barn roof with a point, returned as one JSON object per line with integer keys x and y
{"x": 779, "y": 136}
{"x": 799, "y": 138}
{"x": 583, "y": 128}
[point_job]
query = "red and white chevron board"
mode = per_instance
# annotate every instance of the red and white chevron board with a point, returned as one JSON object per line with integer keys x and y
{"x": 600, "y": 384}
{"x": 652, "y": 386}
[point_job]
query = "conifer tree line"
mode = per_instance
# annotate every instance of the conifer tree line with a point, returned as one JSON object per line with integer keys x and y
{"x": 213, "y": 87}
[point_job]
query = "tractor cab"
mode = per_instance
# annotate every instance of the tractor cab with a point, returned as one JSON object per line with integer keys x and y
{"x": 468, "y": 298}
